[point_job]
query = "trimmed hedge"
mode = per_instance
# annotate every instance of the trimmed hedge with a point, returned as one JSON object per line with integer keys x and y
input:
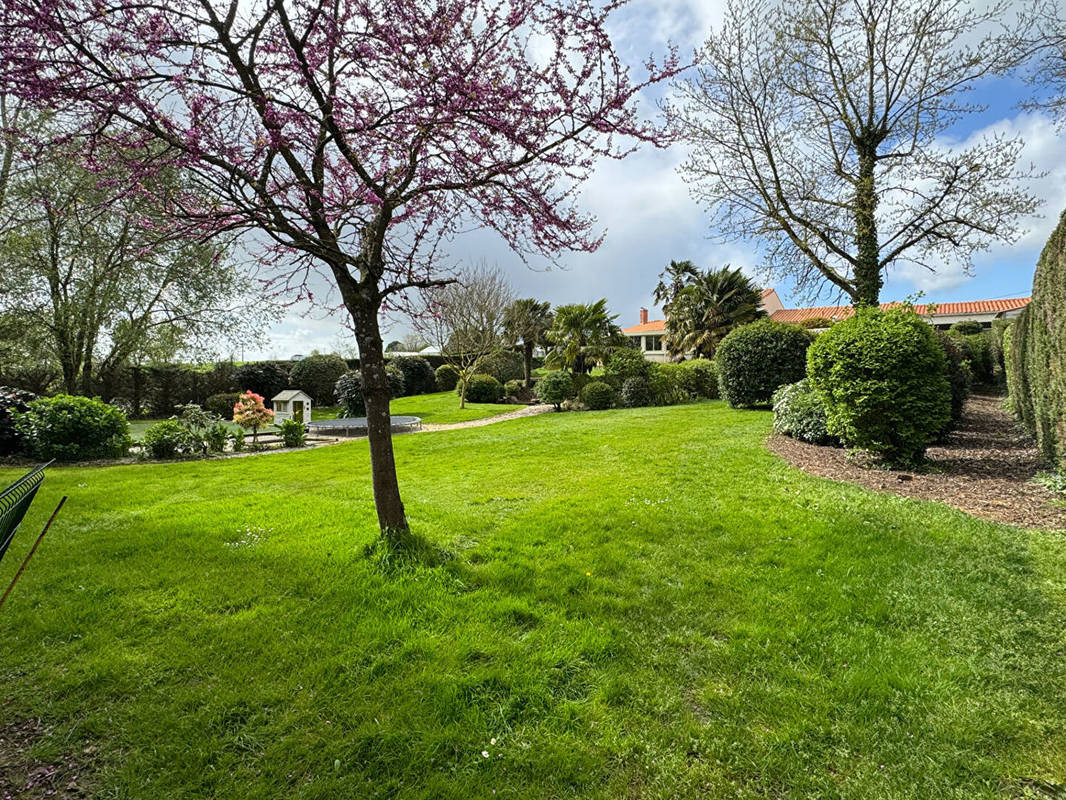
{"x": 482, "y": 389}
{"x": 317, "y": 375}
{"x": 222, "y": 404}
{"x": 1036, "y": 357}
{"x": 418, "y": 376}
{"x": 447, "y": 376}
{"x": 754, "y": 360}
{"x": 699, "y": 378}
{"x": 597, "y": 395}
{"x": 960, "y": 379}
{"x": 881, "y": 376}
{"x": 69, "y": 428}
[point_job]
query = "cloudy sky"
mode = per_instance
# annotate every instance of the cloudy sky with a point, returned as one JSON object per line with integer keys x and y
{"x": 649, "y": 217}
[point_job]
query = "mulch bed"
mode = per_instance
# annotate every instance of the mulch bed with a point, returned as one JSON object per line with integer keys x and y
{"x": 985, "y": 468}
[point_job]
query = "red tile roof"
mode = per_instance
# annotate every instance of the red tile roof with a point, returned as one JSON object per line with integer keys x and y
{"x": 941, "y": 309}
{"x": 651, "y": 326}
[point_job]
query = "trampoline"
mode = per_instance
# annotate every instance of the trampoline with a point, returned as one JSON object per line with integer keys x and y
{"x": 356, "y": 426}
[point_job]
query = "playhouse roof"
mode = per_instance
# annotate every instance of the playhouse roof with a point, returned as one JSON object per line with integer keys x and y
{"x": 291, "y": 394}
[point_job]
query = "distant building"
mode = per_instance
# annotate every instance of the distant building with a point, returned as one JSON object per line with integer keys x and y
{"x": 647, "y": 335}
{"x": 298, "y": 357}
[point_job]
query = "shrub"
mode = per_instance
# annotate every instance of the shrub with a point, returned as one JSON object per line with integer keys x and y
{"x": 817, "y": 323}
{"x": 555, "y": 387}
{"x": 69, "y": 428}
{"x": 966, "y": 327}
{"x": 397, "y": 383}
{"x": 597, "y": 396}
{"x": 800, "y": 413}
{"x": 503, "y": 365}
{"x": 238, "y": 440}
{"x": 447, "y": 377}
{"x": 265, "y": 378}
{"x": 960, "y": 379}
{"x": 317, "y": 375}
{"x": 215, "y": 437}
{"x": 976, "y": 349}
{"x": 348, "y": 392}
{"x": 483, "y": 389}
{"x": 169, "y": 439}
{"x": 625, "y": 363}
{"x": 755, "y": 359}
{"x": 12, "y": 402}
{"x": 293, "y": 433}
{"x": 665, "y": 385}
{"x": 699, "y": 378}
{"x": 513, "y": 387}
{"x": 635, "y": 392}
{"x": 418, "y": 377}
{"x": 881, "y": 376}
{"x": 222, "y": 404}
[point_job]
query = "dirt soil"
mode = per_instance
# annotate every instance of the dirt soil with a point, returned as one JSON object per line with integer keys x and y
{"x": 22, "y": 778}
{"x": 985, "y": 468}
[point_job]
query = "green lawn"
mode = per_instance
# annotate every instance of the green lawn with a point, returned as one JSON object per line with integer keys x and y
{"x": 437, "y": 408}
{"x": 642, "y": 604}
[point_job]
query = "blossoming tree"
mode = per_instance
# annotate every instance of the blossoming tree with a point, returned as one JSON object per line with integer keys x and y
{"x": 355, "y": 137}
{"x": 250, "y": 412}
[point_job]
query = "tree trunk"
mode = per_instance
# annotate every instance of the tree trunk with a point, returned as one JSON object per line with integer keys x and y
{"x": 391, "y": 517}
{"x": 527, "y": 352}
{"x": 867, "y": 266}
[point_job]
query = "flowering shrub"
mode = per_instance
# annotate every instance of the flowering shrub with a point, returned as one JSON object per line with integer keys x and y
{"x": 249, "y": 412}
{"x": 800, "y": 413}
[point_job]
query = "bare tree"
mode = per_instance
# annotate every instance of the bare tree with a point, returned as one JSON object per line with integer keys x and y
{"x": 467, "y": 320}
{"x": 816, "y": 128}
{"x": 1048, "y": 46}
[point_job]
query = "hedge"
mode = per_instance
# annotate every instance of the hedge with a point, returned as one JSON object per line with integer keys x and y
{"x": 754, "y": 360}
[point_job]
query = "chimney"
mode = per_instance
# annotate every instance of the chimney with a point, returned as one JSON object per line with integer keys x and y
{"x": 643, "y": 316}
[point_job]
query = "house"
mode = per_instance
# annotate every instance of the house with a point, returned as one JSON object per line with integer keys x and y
{"x": 291, "y": 404}
{"x": 647, "y": 335}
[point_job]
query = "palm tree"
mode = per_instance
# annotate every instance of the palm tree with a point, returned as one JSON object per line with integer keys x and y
{"x": 583, "y": 334}
{"x": 702, "y": 307}
{"x": 527, "y": 321}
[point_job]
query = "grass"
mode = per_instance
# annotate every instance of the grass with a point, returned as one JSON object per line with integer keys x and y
{"x": 436, "y": 408}
{"x": 641, "y": 603}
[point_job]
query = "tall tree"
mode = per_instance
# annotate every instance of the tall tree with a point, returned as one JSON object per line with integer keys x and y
{"x": 816, "y": 129}
{"x": 467, "y": 320}
{"x": 527, "y": 322}
{"x": 354, "y": 135}
{"x": 702, "y": 307}
{"x": 103, "y": 280}
{"x": 583, "y": 334}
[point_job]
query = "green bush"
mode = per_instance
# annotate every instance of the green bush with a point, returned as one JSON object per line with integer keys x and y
{"x": 625, "y": 363}
{"x": 238, "y": 439}
{"x": 976, "y": 349}
{"x": 447, "y": 376}
{"x": 755, "y": 359}
{"x": 635, "y": 393}
{"x": 699, "y": 378}
{"x": 483, "y": 389}
{"x": 597, "y": 396}
{"x": 265, "y": 378}
{"x": 169, "y": 439}
{"x": 69, "y": 428}
{"x": 12, "y": 402}
{"x": 666, "y": 385}
{"x": 960, "y": 379}
{"x": 800, "y": 413}
{"x": 555, "y": 387}
{"x": 222, "y": 404}
{"x": 503, "y": 365}
{"x": 397, "y": 382}
{"x": 293, "y": 433}
{"x": 317, "y": 375}
{"x": 514, "y": 388}
{"x": 881, "y": 376}
{"x": 215, "y": 437}
{"x": 418, "y": 377}
{"x": 966, "y": 327}
{"x": 348, "y": 393}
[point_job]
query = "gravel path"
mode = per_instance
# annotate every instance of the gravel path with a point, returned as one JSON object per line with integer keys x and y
{"x": 984, "y": 467}
{"x": 524, "y": 411}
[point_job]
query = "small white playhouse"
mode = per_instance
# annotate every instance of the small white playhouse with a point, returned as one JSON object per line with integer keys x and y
{"x": 291, "y": 404}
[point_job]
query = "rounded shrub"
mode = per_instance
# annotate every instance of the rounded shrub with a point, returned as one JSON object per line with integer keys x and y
{"x": 169, "y": 439}
{"x": 555, "y": 387}
{"x": 12, "y": 402}
{"x": 503, "y": 365}
{"x": 348, "y": 394}
{"x": 881, "y": 376}
{"x": 800, "y": 413}
{"x": 597, "y": 396}
{"x": 397, "y": 382}
{"x": 69, "y": 428}
{"x": 265, "y": 378}
{"x": 957, "y": 371}
{"x": 754, "y": 360}
{"x": 447, "y": 376}
{"x": 666, "y": 385}
{"x": 222, "y": 404}
{"x": 418, "y": 377}
{"x": 483, "y": 389}
{"x": 513, "y": 388}
{"x": 318, "y": 375}
{"x": 635, "y": 393}
{"x": 293, "y": 433}
{"x": 625, "y": 363}
{"x": 699, "y": 378}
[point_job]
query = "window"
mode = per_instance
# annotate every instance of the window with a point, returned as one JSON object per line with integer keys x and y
{"x": 653, "y": 343}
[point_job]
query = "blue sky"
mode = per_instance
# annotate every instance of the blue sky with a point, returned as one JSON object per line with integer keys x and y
{"x": 650, "y": 219}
